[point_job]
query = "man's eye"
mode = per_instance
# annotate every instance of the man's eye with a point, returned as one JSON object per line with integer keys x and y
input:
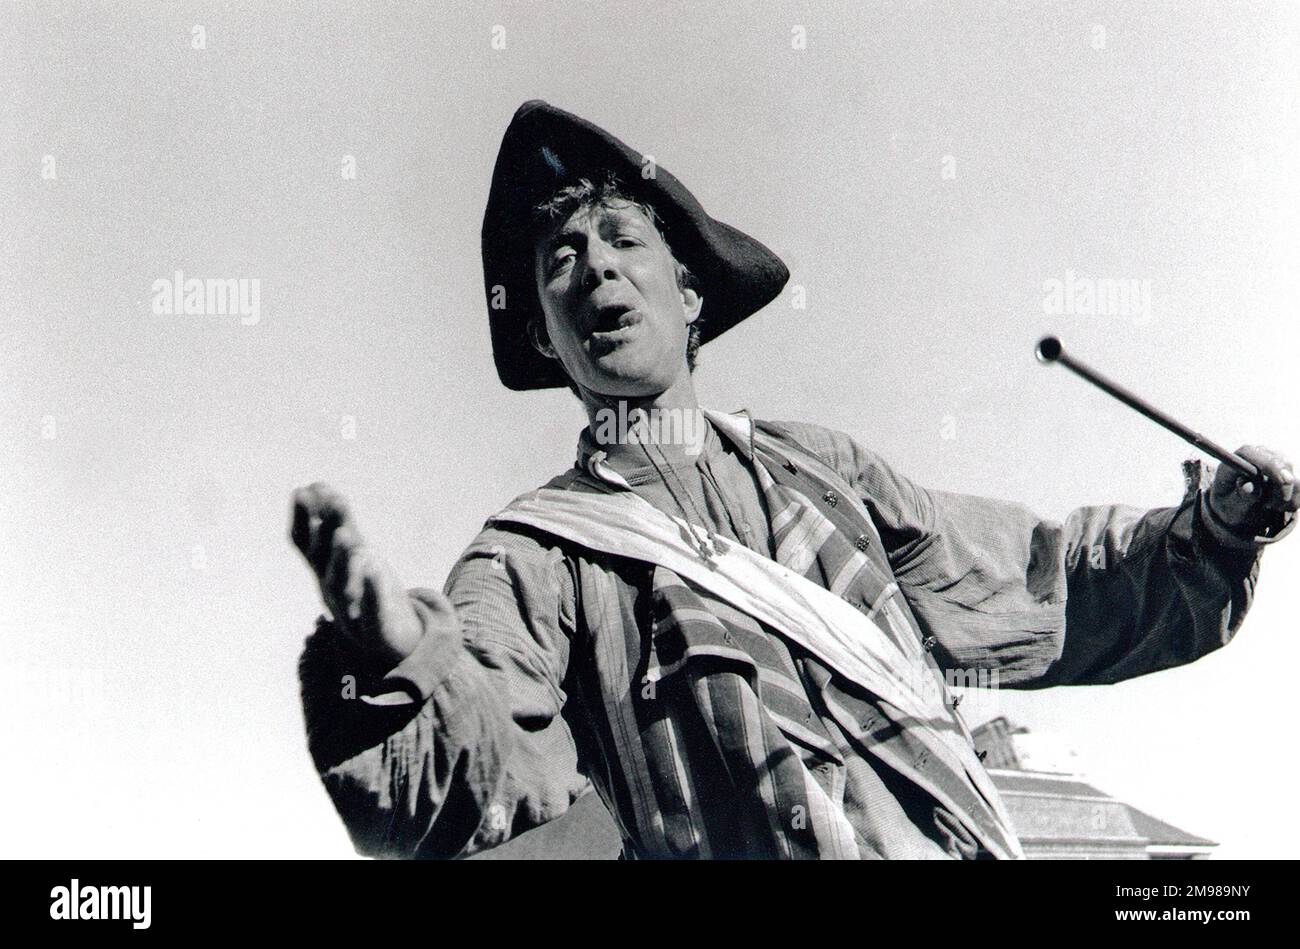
{"x": 562, "y": 260}
{"x": 626, "y": 242}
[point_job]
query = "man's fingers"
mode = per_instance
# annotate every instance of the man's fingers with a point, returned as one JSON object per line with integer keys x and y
{"x": 346, "y": 559}
{"x": 367, "y": 601}
{"x": 306, "y": 511}
{"x": 1282, "y": 475}
{"x": 376, "y": 598}
{"x": 322, "y": 541}
{"x": 300, "y": 529}
{"x": 361, "y": 567}
{"x": 1281, "y": 481}
{"x": 1290, "y": 493}
{"x": 1278, "y": 471}
{"x": 318, "y": 511}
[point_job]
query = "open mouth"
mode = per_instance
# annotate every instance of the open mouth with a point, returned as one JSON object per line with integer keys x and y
{"x": 613, "y": 324}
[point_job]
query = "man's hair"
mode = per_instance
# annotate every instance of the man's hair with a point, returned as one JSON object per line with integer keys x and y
{"x": 586, "y": 195}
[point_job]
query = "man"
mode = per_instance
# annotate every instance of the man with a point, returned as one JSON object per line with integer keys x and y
{"x": 737, "y": 631}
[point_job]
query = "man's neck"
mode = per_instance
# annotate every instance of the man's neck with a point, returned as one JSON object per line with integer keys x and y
{"x": 671, "y": 421}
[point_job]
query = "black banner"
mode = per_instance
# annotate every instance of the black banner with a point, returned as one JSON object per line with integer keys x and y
{"x": 363, "y": 899}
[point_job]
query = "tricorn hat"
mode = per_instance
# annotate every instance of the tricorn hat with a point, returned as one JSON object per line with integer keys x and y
{"x": 545, "y": 149}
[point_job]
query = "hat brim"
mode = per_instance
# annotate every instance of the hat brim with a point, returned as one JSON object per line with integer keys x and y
{"x": 545, "y": 149}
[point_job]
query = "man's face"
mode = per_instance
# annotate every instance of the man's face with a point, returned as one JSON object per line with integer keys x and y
{"x": 615, "y": 316}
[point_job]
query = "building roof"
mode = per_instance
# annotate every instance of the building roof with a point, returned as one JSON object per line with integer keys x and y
{"x": 1057, "y": 810}
{"x": 1158, "y": 832}
{"x": 1043, "y": 783}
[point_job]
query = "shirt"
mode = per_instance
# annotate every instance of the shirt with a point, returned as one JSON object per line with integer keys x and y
{"x": 545, "y": 683}
{"x": 722, "y": 493}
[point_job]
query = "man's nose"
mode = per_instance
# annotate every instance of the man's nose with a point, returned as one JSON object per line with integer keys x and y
{"x": 600, "y": 267}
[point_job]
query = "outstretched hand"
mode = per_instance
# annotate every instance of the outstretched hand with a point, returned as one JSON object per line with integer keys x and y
{"x": 1238, "y": 503}
{"x": 365, "y": 597}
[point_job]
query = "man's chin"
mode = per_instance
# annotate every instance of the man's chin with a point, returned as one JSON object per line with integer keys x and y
{"x": 626, "y": 389}
{"x": 629, "y": 384}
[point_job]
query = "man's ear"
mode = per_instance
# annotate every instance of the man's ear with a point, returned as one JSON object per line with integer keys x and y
{"x": 692, "y": 303}
{"x": 540, "y": 339}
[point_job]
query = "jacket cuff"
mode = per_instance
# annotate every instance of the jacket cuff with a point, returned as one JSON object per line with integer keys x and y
{"x": 1232, "y": 539}
{"x": 1211, "y": 531}
{"x": 415, "y": 678}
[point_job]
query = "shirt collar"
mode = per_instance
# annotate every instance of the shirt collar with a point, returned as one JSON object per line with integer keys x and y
{"x": 737, "y": 429}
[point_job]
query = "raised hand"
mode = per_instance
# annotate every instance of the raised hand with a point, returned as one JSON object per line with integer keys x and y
{"x": 367, "y": 600}
{"x": 1240, "y": 506}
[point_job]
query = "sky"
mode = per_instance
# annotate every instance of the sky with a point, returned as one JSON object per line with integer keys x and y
{"x": 929, "y": 172}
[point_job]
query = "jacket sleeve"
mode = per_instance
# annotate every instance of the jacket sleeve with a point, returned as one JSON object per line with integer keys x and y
{"x": 1110, "y": 593}
{"x": 463, "y": 745}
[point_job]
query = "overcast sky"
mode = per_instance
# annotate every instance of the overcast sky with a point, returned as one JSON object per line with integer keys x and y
{"x": 925, "y": 170}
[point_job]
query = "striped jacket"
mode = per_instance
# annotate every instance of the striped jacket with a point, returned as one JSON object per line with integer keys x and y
{"x": 703, "y": 731}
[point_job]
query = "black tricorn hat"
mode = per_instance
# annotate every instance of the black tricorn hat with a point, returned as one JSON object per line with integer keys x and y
{"x": 545, "y": 149}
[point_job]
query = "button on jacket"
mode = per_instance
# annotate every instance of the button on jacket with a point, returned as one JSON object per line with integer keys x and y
{"x": 707, "y": 734}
